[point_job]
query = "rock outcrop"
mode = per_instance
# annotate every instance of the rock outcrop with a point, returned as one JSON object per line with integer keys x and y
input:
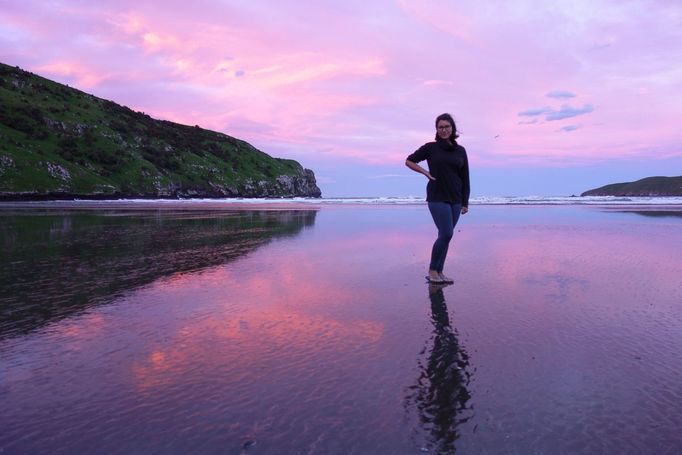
{"x": 646, "y": 187}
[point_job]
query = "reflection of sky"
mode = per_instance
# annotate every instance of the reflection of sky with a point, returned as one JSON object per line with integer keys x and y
{"x": 310, "y": 341}
{"x": 548, "y": 249}
{"x": 577, "y": 316}
{"x": 62, "y": 262}
{"x": 264, "y": 318}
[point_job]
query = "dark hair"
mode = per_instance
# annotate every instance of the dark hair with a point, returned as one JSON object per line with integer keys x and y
{"x": 448, "y": 118}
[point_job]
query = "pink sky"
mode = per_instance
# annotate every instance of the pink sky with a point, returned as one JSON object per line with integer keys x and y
{"x": 551, "y": 98}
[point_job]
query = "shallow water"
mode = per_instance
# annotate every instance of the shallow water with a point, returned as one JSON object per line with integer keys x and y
{"x": 312, "y": 331}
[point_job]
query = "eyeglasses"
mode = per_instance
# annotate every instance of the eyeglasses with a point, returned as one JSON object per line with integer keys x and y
{"x": 447, "y": 127}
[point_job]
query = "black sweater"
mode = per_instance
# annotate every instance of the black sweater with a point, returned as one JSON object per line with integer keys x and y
{"x": 449, "y": 165}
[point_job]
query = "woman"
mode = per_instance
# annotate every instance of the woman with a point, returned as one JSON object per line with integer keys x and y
{"x": 447, "y": 191}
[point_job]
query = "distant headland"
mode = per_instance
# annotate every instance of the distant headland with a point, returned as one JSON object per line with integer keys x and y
{"x": 57, "y": 142}
{"x": 650, "y": 186}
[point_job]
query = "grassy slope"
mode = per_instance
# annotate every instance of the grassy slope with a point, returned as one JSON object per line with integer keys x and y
{"x": 650, "y": 186}
{"x": 47, "y": 128}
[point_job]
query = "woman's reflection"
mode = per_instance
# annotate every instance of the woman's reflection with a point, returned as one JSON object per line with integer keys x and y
{"x": 440, "y": 394}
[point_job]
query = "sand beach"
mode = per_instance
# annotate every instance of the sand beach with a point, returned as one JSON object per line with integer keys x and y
{"x": 309, "y": 329}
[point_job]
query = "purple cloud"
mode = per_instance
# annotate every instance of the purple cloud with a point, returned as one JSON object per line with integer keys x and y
{"x": 567, "y": 111}
{"x": 550, "y": 114}
{"x": 560, "y": 94}
{"x": 534, "y": 112}
{"x": 529, "y": 122}
{"x": 324, "y": 97}
{"x": 569, "y": 128}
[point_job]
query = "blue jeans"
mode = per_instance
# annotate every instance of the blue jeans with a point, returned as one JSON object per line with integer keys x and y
{"x": 445, "y": 215}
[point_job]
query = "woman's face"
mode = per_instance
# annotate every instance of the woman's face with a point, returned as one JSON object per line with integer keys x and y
{"x": 444, "y": 129}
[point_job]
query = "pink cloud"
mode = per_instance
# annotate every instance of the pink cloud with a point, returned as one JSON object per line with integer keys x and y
{"x": 80, "y": 75}
{"x": 363, "y": 81}
{"x": 443, "y": 18}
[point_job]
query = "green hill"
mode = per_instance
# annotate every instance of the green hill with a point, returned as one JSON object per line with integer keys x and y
{"x": 59, "y": 142}
{"x": 650, "y": 186}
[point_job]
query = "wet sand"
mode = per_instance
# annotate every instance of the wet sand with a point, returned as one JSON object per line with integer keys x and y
{"x": 313, "y": 331}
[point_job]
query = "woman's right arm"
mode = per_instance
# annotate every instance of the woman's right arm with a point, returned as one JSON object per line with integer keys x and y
{"x": 417, "y": 168}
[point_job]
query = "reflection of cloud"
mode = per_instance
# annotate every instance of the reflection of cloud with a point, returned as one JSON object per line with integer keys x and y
{"x": 559, "y": 287}
{"x": 55, "y": 281}
{"x": 261, "y": 334}
{"x": 270, "y": 320}
{"x": 566, "y": 265}
{"x": 78, "y": 335}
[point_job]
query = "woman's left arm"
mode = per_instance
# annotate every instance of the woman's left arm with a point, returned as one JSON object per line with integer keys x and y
{"x": 466, "y": 184}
